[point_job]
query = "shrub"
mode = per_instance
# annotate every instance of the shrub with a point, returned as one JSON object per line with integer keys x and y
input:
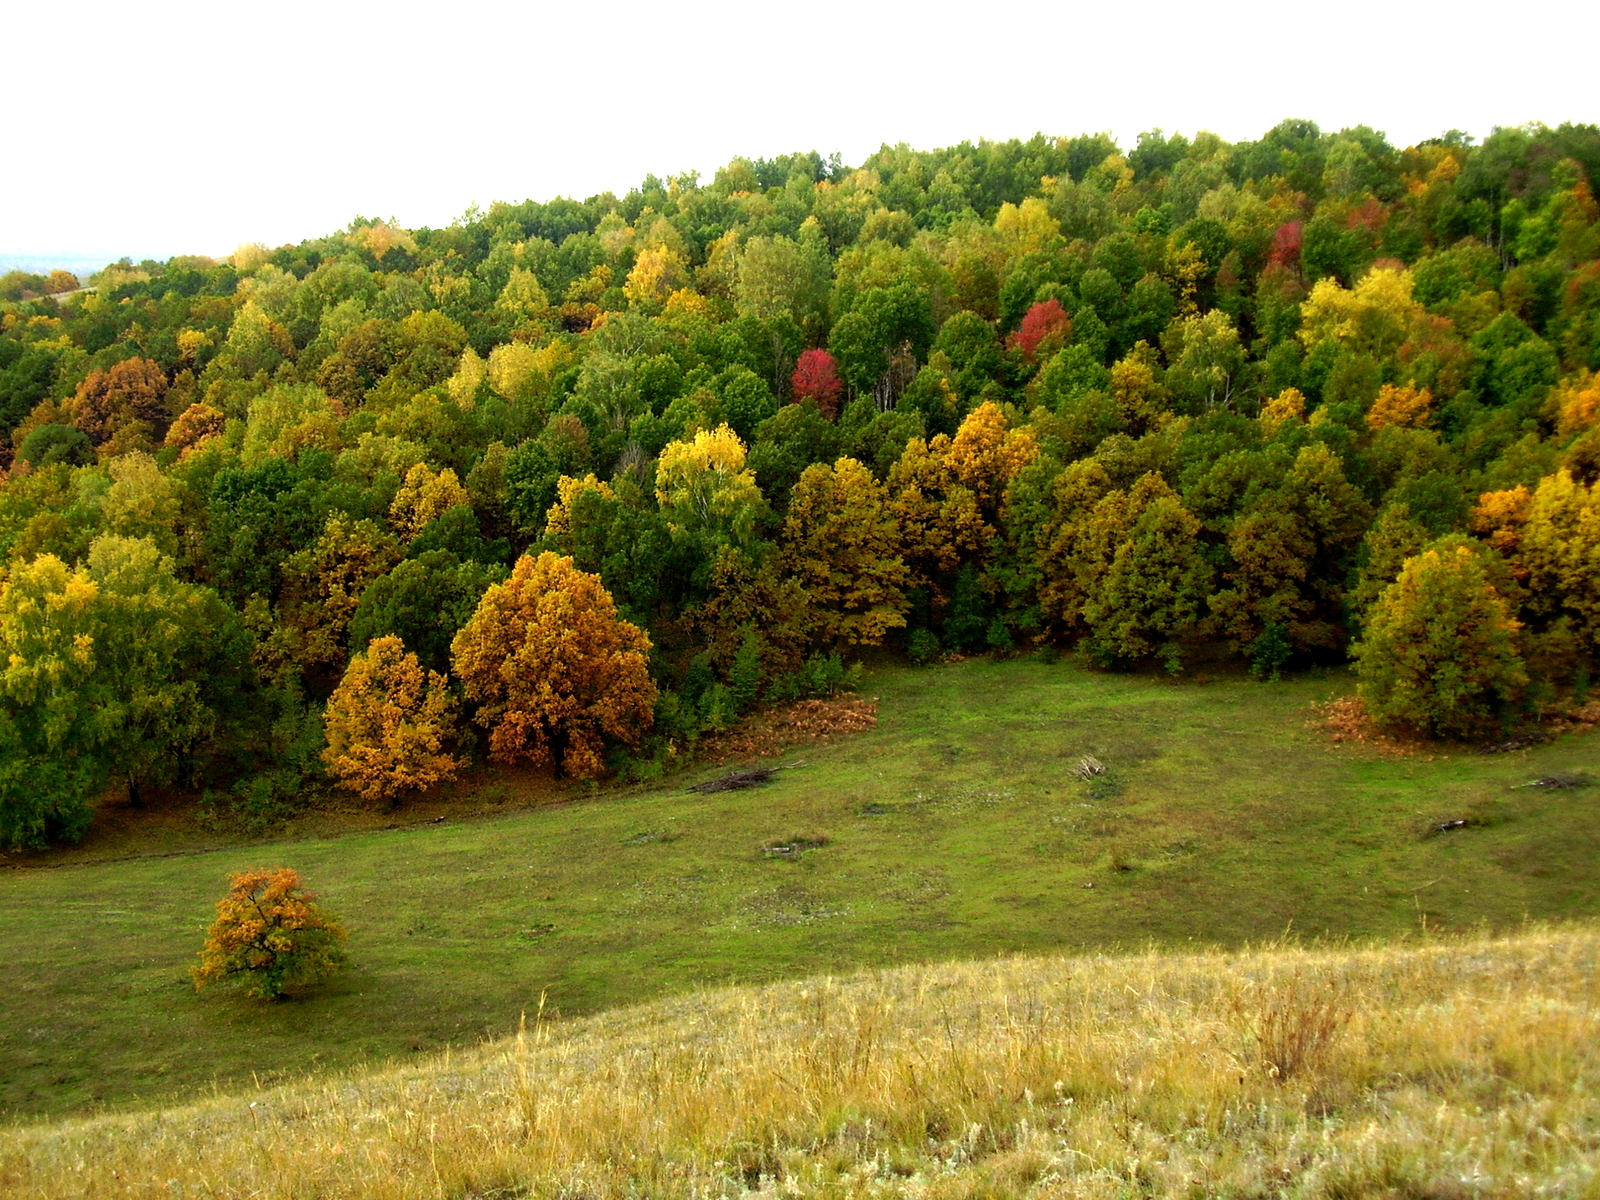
{"x": 922, "y": 647}
{"x": 271, "y": 934}
{"x": 817, "y": 679}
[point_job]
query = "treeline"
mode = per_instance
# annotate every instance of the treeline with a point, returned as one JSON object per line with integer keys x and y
{"x": 1285, "y": 401}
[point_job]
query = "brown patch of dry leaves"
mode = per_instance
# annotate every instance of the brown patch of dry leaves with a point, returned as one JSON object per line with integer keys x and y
{"x": 1576, "y": 720}
{"x": 803, "y": 723}
{"x": 1346, "y": 722}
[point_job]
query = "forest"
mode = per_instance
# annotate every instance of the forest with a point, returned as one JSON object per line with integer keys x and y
{"x": 569, "y": 484}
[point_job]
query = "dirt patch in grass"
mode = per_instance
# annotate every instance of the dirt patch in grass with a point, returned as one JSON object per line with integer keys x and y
{"x": 803, "y": 723}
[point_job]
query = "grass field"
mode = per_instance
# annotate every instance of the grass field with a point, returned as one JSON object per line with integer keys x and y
{"x": 1441, "y": 1070}
{"x": 955, "y": 830}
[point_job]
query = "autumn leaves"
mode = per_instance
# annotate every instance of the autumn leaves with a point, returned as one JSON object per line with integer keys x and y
{"x": 554, "y": 671}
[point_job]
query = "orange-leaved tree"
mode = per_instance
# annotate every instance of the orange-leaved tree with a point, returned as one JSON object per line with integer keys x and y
{"x": 386, "y": 723}
{"x": 270, "y": 933}
{"x": 554, "y": 670}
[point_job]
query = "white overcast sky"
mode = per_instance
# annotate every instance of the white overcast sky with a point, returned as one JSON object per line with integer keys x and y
{"x": 170, "y": 126}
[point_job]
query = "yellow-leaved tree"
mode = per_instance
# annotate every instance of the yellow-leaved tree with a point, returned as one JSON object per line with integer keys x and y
{"x": 424, "y": 496}
{"x": 271, "y": 934}
{"x": 985, "y": 456}
{"x": 940, "y": 523}
{"x": 704, "y": 488}
{"x": 386, "y": 723}
{"x": 554, "y": 670}
{"x": 842, "y": 542}
{"x": 1405, "y": 406}
{"x": 657, "y": 273}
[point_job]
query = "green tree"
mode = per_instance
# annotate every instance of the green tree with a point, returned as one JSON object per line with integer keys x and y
{"x": 116, "y": 667}
{"x": 842, "y": 542}
{"x": 424, "y": 601}
{"x": 1439, "y": 654}
{"x": 1148, "y": 602}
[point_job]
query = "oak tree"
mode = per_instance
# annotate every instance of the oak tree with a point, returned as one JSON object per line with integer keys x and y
{"x": 554, "y": 671}
{"x": 386, "y": 723}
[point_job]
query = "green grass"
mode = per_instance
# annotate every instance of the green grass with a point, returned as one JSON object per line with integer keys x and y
{"x": 955, "y": 830}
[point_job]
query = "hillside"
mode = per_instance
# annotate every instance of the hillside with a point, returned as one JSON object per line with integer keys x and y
{"x": 954, "y": 830}
{"x": 1454, "y": 1068}
{"x": 1282, "y": 404}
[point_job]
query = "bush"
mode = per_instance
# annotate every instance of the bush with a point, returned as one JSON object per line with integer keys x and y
{"x": 270, "y": 933}
{"x": 817, "y": 679}
{"x": 922, "y": 647}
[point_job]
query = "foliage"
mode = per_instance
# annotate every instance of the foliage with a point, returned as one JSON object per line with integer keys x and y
{"x": 840, "y": 541}
{"x": 1299, "y": 336}
{"x": 552, "y": 668}
{"x": 1439, "y": 653}
{"x": 387, "y": 722}
{"x": 270, "y": 934}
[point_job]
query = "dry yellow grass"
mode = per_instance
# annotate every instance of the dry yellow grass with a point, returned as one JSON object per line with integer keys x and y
{"x": 1459, "y": 1068}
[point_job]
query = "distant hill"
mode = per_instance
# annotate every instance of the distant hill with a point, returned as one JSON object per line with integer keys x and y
{"x": 80, "y": 264}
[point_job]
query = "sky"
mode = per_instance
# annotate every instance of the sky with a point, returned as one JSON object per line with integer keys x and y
{"x": 173, "y": 127}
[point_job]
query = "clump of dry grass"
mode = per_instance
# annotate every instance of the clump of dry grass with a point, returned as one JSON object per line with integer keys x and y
{"x": 1458, "y": 1068}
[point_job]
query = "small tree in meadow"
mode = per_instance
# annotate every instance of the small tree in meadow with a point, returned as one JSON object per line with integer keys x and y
{"x": 271, "y": 934}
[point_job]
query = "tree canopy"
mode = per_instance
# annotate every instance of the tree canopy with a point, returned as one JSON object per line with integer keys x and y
{"x": 1192, "y": 398}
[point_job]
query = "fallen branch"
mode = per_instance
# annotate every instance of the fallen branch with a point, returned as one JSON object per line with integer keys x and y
{"x": 735, "y": 780}
{"x": 1561, "y": 781}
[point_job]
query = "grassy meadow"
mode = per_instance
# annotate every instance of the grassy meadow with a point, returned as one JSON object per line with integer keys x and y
{"x": 1463, "y": 1067}
{"x": 953, "y": 831}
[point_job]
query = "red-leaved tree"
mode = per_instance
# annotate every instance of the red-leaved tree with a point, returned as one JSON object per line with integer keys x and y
{"x": 816, "y": 377}
{"x": 1286, "y": 242}
{"x": 1046, "y": 325}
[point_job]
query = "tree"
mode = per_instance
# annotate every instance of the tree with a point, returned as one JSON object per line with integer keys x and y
{"x": 1289, "y": 554}
{"x": 1148, "y": 600}
{"x": 132, "y": 390}
{"x": 196, "y": 425}
{"x": 985, "y": 456}
{"x": 1400, "y": 406}
{"x": 705, "y": 490}
{"x": 424, "y": 601}
{"x": 842, "y": 542}
{"x": 47, "y": 444}
{"x": 1559, "y": 549}
{"x": 779, "y": 277}
{"x": 322, "y": 586}
{"x": 554, "y": 670}
{"x": 657, "y": 273}
{"x": 816, "y": 377}
{"x": 386, "y": 723}
{"x": 113, "y": 667}
{"x": 424, "y": 496}
{"x": 271, "y": 933}
{"x": 1045, "y": 329}
{"x": 1439, "y": 653}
